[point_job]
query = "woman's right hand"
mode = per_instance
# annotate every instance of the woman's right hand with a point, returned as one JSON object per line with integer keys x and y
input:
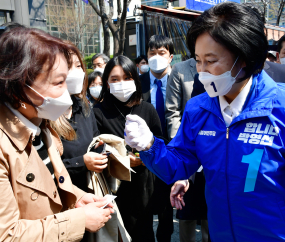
{"x": 96, "y": 217}
{"x": 137, "y": 133}
{"x": 95, "y": 162}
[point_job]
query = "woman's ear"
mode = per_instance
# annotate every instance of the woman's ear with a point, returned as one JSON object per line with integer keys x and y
{"x": 243, "y": 64}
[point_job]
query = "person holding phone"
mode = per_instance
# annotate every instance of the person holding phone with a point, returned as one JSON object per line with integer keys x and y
{"x": 78, "y": 126}
{"x": 122, "y": 95}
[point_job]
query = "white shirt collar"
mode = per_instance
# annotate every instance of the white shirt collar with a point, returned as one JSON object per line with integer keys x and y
{"x": 237, "y": 104}
{"x": 35, "y": 129}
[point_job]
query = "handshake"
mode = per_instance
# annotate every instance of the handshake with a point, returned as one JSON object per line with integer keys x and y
{"x": 137, "y": 133}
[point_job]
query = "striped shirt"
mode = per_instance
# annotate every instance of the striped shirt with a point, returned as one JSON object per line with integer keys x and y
{"x": 42, "y": 151}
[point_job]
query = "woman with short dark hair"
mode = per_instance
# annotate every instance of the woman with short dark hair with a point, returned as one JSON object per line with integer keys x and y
{"x": 94, "y": 87}
{"x": 234, "y": 130}
{"x": 38, "y": 200}
{"x": 120, "y": 96}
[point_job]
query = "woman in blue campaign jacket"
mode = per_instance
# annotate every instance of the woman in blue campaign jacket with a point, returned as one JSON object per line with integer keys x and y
{"x": 235, "y": 130}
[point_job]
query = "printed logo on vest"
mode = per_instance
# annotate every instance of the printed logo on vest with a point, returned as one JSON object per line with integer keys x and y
{"x": 207, "y": 133}
{"x": 257, "y": 133}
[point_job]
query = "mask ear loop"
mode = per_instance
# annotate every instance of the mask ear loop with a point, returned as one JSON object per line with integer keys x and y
{"x": 234, "y": 63}
{"x": 35, "y": 91}
{"x": 238, "y": 73}
{"x": 233, "y": 67}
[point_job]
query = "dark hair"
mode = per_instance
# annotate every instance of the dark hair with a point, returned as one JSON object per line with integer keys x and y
{"x": 280, "y": 43}
{"x": 238, "y": 28}
{"x": 140, "y": 58}
{"x": 255, "y": 8}
{"x": 101, "y": 55}
{"x": 8, "y": 26}
{"x": 23, "y": 54}
{"x": 91, "y": 78}
{"x": 130, "y": 70}
{"x": 158, "y": 41}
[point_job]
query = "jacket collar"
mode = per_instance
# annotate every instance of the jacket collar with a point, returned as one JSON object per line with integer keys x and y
{"x": 192, "y": 62}
{"x": 259, "y": 102}
{"x": 13, "y": 127}
{"x": 19, "y": 133}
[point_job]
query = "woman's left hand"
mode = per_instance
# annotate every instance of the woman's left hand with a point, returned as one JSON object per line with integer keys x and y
{"x": 90, "y": 198}
{"x": 135, "y": 161}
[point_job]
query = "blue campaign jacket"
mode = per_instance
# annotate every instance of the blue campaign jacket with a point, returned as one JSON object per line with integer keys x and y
{"x": 244, "y": 165}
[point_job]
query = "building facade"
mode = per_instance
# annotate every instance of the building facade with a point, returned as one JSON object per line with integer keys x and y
{"x": 14, "y": 10}
{"x": 76, "y": 21}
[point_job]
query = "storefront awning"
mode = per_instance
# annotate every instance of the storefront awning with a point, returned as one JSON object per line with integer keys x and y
{"x": 183, "y": 15}
{"x": 274, "y": 32}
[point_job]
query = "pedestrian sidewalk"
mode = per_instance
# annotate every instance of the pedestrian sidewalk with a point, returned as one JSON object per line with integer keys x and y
{"x": 175, "y": 235}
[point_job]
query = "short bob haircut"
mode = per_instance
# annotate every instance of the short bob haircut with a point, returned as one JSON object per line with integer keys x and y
{"x": 158, "y": 41}
{"x": 91, "y": 78}
{"x": 140, "y": 58}
{"x": 238, "y": 28}
{"x": 130, "y": 70}
{"x": 23, "y": 54}
{"x": 280, "y": 43}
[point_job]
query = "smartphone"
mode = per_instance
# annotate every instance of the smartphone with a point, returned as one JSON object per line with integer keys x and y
{"x": 100, "y": 149}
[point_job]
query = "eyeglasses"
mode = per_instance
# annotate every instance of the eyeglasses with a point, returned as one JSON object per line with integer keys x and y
{"x": 100, "y": 65}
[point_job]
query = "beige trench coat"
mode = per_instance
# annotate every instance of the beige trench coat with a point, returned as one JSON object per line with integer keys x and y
{"x": 118, "y": 167}
{"x": 31, "y": 205}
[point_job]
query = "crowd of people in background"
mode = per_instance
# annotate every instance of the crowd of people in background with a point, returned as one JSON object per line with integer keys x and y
{"x": 153, "y": 134}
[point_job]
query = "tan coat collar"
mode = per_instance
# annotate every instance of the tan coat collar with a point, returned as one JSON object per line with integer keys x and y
{"x": 18, "y": 133}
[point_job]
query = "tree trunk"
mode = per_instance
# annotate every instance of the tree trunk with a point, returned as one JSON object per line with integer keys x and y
{"x": 116, "y": 36}
{"x": 123, "y": 28}
{"x": 106, "y": 32}
{"x": 280, "y": 11}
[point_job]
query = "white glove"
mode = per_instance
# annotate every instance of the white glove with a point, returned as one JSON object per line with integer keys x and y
{"x": 137, "y": 133}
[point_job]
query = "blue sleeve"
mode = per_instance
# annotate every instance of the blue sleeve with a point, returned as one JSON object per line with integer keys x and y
{"x": 177, "y": 160}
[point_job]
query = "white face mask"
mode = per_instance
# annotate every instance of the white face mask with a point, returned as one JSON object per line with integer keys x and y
{"x": 144, "y": 68}
{"x": 95, "y": 91}
{"x": 218, "y": 85}
{"x": 98, "y": 69}
{"x": 53, "y": 108}
{"x": 74, "y": 81}
{"x": 282, "y": 60}
{"x": 123, "y": 90}
{"x": 158, "y": 63}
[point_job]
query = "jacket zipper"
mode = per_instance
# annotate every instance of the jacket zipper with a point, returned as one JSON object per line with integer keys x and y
{"x": 230, "y": 215}
{"x": 228, "y": 131}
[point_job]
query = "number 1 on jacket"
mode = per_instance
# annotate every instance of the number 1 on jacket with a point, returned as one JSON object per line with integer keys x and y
{"x": 253, "y": 160}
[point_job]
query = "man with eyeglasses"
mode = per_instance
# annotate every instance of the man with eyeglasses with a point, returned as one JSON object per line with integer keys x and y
{"x": 99, "y": 62}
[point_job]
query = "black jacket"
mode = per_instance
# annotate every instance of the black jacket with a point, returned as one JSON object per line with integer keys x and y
{"x": 85, "y": 126}
{"x": 145, "y": 83}
{"x": 134, "y": 198}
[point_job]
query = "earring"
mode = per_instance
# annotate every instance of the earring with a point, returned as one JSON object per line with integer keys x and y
{"x": 23, "y": 105}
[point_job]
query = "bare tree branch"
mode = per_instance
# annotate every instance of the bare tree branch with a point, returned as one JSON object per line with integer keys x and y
{"x": 95, "y": 7}
{"x": 74, "y": 21}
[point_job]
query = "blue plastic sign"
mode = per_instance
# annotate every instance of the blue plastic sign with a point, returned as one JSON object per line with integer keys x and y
{"x": 202, "y": 5}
